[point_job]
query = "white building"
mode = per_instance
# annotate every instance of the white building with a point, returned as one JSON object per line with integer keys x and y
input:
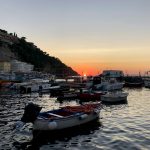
{"x": 4, "y": 66}
{"x": 18, "y": 66}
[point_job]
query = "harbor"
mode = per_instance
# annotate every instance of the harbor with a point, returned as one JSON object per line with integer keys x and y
{"x": 121, "y": 126}
{"x": 41, "y": 110}
{"x": 75, "y": 75}
{"x": 121, "y": 122}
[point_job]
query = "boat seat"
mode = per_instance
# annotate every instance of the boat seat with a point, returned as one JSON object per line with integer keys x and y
{"x": 52, "y": 114}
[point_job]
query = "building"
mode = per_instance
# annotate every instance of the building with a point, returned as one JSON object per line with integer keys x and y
{"x": 18, "y": 66}
{"x": 5, "y": 66}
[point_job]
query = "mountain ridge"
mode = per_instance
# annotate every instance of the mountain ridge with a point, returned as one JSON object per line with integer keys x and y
{"x": 13, "y": 47}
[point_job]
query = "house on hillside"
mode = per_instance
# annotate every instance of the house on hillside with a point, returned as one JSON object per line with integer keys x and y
{"x": 5, "y": 66}
{"x": 18, "y": 66}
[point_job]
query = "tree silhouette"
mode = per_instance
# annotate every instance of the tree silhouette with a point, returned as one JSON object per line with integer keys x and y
{"x": 27, "y": 52}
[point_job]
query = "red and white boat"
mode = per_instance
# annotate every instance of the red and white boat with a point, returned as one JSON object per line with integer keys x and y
{"x": 59, "y": 119}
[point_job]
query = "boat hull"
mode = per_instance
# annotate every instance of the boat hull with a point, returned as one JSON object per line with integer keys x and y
{"x": 67, "y": 96}
{"x": 65, "y": 122}
{"x": 130, "y": 84}
{"x": 89, "y": 96}
{"x": 83, "y": 129}
{"x": 147, "y": 84}
{"x": 114, "y": 98}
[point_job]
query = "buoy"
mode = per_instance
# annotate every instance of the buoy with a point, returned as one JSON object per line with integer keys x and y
{"x": 83, "y": 116}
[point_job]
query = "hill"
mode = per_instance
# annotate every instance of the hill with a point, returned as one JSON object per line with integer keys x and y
{"x": 12, "y": 47}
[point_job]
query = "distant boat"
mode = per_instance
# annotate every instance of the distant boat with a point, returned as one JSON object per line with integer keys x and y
{"x": 67, "y": 96}
{"x": 114, "y": 97}
{"x": 90, "y": 96}
{"x": 146, "y": 79}
{"x": 59, "y": 119}
{"x": 108, "y": 80}
{"x": 147, "y": 83}
{"x": 34, "y": 85}
{"x": 107, "y": 85}
{"x": 133, "y": 81}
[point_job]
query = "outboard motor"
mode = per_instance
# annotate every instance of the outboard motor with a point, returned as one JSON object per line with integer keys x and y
{"x": 30, "y": 113}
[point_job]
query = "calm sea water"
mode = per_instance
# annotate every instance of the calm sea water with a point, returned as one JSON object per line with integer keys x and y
{"x": 123, "y": 126}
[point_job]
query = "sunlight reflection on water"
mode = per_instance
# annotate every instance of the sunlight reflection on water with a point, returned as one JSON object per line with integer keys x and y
{"x": 124, "y": 126}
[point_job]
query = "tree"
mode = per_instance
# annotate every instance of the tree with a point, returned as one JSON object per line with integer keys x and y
{"x": 23, "y": 38}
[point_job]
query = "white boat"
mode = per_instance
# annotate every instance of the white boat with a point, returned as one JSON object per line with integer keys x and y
{"x": 113, "y": 97}
{"x": 108, "y": 85}
{"x": 63, "y": 118}
{"x": 33, "y": 85}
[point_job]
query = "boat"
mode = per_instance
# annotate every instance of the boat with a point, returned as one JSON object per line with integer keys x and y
{"x": 58, "y": 89}
{"x": 111, "y": 84}
{"x": 133, "y": 81}
{"x": 90, "y": 95}
{"x": 147, "y": 83}
{"x": 68, "y": 96}
{"x": 60, "y": 119}
{"x": 108, "y": 80}
{"x": 114, "y": 96}
{"x": 34, "y": 85}
{"x": 146, "y": 79}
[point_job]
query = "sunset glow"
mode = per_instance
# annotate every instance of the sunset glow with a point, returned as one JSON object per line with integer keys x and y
{"x": 89, "y": 36}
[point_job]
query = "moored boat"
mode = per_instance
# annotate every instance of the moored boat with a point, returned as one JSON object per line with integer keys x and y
{"x": 90, "y": 96}
{"x": 114, "y": 97}
{"x": 34, "y": 85}
{"x": 146, "y": 80}
{"x": 59, "y": 119}
{"x": 147, "y": 83}
{"x": 68, "y": 96}
{"x": 133, "y": 81}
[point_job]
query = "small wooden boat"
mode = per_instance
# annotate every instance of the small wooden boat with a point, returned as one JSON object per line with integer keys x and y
{"x": 59, "y": 119}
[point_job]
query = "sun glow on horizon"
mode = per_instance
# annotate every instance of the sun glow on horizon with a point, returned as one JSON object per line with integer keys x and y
{"x": 94, "y": 61}
{"x": 84, "y": 74}
{"x": 88, "y": 37}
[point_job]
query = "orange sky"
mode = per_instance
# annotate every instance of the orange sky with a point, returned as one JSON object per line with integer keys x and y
{"x": 87, "y": 35}
{"x": 93, "y": 62}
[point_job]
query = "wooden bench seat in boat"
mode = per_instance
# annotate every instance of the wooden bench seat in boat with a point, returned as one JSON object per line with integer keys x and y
{"x": 52, "y": 114}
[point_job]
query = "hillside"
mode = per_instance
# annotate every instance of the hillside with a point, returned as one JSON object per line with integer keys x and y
{"x": 12, "y": 47}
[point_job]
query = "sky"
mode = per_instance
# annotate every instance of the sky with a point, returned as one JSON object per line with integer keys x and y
{"x": 88, "y": 35}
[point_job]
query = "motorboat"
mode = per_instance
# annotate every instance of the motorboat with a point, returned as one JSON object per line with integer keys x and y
{"x": 107, "y": 85}
{"x": 34, "y": 85}
{"x": 114, "y": 96}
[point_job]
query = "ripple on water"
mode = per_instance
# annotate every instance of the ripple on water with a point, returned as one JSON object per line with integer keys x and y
{"x": 124, "y": 126}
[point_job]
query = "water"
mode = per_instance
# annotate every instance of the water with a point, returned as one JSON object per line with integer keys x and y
{"x": 124, "y": 126}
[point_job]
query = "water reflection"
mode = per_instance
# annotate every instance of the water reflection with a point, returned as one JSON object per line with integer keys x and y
{"x": 125, "y": 126}
{"x": 41, "y": 138}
